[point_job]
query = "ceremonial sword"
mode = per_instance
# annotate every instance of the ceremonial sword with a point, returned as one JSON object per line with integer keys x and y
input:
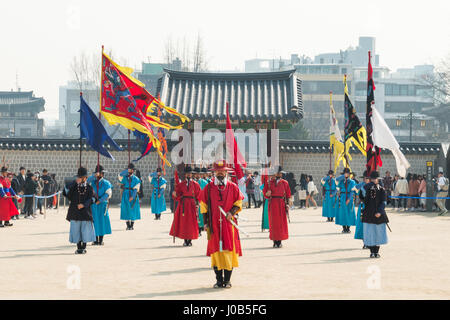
{"x": 232, "y": 222}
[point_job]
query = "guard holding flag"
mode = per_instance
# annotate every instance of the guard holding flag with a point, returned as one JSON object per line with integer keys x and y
{"x": 374, "y": 216}
{"x": 129, "y": 207}
{"x": 185, "y": 224}
{"x": 102, "y": 191}
{"x": 278, "y": 193}
{"x": 345, "y": 215}
{"x": 224, "y": 246}
{"x": 330, "y": 203}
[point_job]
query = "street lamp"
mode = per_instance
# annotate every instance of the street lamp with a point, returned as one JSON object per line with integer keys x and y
{"x": 409, "y": 117}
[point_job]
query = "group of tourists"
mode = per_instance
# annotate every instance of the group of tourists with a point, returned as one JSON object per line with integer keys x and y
{"x": 410, "y": 193}
{"x": 28, "y": 192}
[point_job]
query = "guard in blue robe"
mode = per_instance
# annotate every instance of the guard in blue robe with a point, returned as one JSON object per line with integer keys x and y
{"x": 203, "y": 182}
{"x": 330, "y": 203}
{"x": 102, "y": 191}
{"x": 359, "y": 189}
{"x": 157, "y": 201}
{"x": 129, "y": 207}
{"x": 345, "y": 215}
{"x": 265, "y": 213}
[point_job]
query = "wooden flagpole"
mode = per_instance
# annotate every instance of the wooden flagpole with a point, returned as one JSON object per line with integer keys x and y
{"x": 81, "y": 140}
{"x": 331, "y": 93}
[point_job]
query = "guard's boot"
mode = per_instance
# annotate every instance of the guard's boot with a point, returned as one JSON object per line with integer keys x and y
{"x": 132, "y": 225}
{"x": 275, "y": 244}
{"x": 227, "y": 278}
{"x": 185, "y": 243}
{"x": 372, "y": 251}
{"x": 128, "y": 225}
{"x": 377, "y": 255}
{"x": 79, "y": 248}
{"x": 95, "y": 243}
{"x": 219, "y": 278}
{"x": 8, "y": 224}
{"x": 83, "y": 247}
{"x": 100, "y": 240}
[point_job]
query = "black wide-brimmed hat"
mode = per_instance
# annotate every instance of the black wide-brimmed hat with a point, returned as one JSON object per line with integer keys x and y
{"x": 131, "y": 166}
{"x": 4, "y": 169}
{"x": 330, "y": 172}
{"x": 82, "y": 172}
{"x": 188, "y": 169}
{"x": 374, "y": 175}
{"x": 346, "y": 170}
{"x": 21, "y": 168}
{"x": 280, "y": 170}
{"x": 364, "y": 175}
{"x": 196, "y": 170}
{"x": 158, "y": 169}
{"x": 99, "y": 169}
{"x": 204, "y": 170}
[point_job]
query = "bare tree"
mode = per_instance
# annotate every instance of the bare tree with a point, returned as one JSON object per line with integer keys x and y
{"x": 192, "y": 60}
{"x": 80, "y": 70}
{"x": 199, "y": 55}
{"x": 439, "y": 82}
{"x": 169, "y": 50}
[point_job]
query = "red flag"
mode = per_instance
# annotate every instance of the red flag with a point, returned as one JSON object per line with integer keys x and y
{"x": 233, "y": 152}
{"x": 372, "y": 151}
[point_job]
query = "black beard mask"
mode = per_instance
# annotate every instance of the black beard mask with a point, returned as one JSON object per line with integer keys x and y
{"x": 220, "y": 177}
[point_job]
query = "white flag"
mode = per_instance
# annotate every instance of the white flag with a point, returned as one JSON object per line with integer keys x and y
{"x": 383, "y": 138}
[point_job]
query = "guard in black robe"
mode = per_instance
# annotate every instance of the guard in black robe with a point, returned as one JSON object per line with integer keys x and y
{"x": 374, "y": 216}
{"x": 80, "y": 195}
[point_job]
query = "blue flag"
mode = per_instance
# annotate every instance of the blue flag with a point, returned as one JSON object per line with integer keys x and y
{"x": 93, "y": 130}
{"x": 147, "y": 145}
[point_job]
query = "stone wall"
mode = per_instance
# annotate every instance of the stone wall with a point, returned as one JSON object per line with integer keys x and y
{"x": 65, "y": 164}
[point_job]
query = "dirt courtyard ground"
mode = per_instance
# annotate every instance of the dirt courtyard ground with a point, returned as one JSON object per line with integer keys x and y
{"x": 317, "y": 262}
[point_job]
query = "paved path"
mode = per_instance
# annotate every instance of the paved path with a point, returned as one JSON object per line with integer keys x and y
{"x": 317, "y": 262}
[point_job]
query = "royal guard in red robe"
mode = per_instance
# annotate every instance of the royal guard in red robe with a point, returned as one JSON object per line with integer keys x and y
{"x": 185, "y": 219}
{"x": 7, "y": 207}
{"x": 224, "y": 246}
{"x": 277, "y": 191}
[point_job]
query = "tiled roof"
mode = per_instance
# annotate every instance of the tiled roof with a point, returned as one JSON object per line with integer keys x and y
{"x": 21, "y": 99}
{"x": 252, "y": 96}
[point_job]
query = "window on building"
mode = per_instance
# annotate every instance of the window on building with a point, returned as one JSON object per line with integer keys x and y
{"x": 344, "y": 70}
{"x": 25, "y": 132}
{"x": 395, "y": 90}
{"x": 388, "y": 89}
{"x": 398, "y": 123}
{"x": 423, "y": 123}
{"x": 376, "y": 74}
{"x": 403, "y": 90}
{"x": 411, "y": 90}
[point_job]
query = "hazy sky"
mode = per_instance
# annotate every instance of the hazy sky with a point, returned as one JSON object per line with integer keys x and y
{"x": 40, "y": 38}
